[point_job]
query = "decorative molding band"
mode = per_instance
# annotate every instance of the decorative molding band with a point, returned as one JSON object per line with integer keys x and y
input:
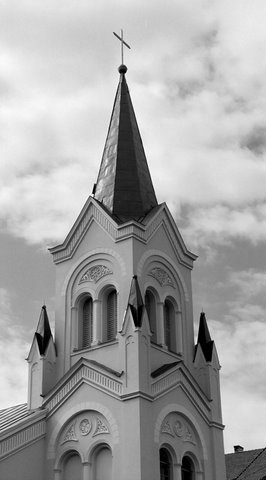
{"x": 161, "y": 276}
{"x": 166, "y": 382}
{"x": 95, "y": 273}
{"x": 22, "y": 438}
{"x": 66, "y": 250}
{"x": 89, "y": 375}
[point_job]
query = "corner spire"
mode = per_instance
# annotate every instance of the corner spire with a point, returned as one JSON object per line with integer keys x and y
{"x": 124, "y": 186}
{"x": 135, "y": 302}
{"x": 204, "y": 338}
{"x": 43, "y": 332}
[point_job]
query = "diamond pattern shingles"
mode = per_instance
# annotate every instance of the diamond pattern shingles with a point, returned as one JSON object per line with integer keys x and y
{"x": 124, "y": 184}
{"x": 10, "y": 416}
{"x": 246, "y": 465}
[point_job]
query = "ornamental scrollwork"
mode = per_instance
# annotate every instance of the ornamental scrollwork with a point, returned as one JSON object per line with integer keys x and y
{"x": 161, "y": 276}
{"x": 94, "y": 274}
{"x": 85, "y": 426}
{"x": 70, "y": 434}
{"x": 177, "y": 427}
{"x": 101, "y": 427}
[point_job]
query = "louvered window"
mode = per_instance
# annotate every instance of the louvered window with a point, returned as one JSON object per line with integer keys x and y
{"x": 87, "y": 323}
{"x": 169, "y": 325}
{"x": 150, "y": 305}
{"x": 111, "y": 315}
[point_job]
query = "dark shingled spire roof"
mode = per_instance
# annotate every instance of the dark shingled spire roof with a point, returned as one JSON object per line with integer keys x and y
{"x": 204, "y": 338}
{"x": 124, "y": 184}
{"x": 43, "y": 332}
{"x": 135, "y": 302}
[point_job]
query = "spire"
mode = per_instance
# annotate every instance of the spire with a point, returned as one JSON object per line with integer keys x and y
{"x": 43, "y": 332}
{"x": 135, "y": 302}
{"x": 204, "y": 338}
{"x": 124, "y": 184}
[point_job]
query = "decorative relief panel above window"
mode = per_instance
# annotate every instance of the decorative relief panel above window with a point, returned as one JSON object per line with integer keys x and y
{"x": 84, "y": 425}
{"x": 177, "y": 427}
{"x": 161, "y": 276}
{"x": 95, "y": 273}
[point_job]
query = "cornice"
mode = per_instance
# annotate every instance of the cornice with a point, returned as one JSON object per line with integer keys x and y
{"x": 83, "y": 372}
{"x": 22, "y": 434}
{"x": 181, "y": 377}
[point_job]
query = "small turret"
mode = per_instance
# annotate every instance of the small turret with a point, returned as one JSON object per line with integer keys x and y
{"x": 207, "y": 365}
{"x": 136, "y": 335}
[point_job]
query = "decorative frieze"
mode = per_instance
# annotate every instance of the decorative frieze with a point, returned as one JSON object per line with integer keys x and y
{"x": 161, "y": 276}
{"x": 90, "y": 375}
{"x": 95, "y": 273}
{"x": 22, "y": 438}
{"x": 165, "y": 383}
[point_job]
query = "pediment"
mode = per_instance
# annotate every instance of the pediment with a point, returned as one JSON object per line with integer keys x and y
{"x": 144, "y": 230}
{"x": 84, "y": 371}
{"x": 178, "y": 376}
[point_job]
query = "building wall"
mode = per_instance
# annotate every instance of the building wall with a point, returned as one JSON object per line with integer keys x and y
{"x": 25, "y": 464}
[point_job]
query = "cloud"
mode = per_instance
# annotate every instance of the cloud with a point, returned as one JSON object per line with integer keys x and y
{"x": 241, "y": 347}
{"x": 197, "y": 85}
{"x": 12, "y": 386}
{"x": 249, "y": 283}
{"x": 220, "y": 225}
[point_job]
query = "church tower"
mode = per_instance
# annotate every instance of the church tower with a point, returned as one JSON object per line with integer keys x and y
{"x": 122, "y": 392}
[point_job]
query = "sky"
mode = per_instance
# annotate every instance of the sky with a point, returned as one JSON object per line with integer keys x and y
{"x": 196, "y": 72}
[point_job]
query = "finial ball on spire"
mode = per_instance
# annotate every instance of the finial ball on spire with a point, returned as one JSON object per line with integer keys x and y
{"x": 122, "y": 69}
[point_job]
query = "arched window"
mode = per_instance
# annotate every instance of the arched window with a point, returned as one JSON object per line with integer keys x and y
{"x": 188, "y": 470}
{"x": 110, "y": 327}
{"x": 166, "y": 468}
{"x": 150, "y": 304}
{"x": 169, "y": 325}
{"x": 72, "y": 468}
{"x": 87, "y": 324}
{"x": 103, "y": 464}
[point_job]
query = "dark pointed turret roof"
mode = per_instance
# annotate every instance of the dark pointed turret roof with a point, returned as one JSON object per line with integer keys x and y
{"x": 43, "y": 332}
{"x": 204, "y": 338}
{"x": 135, "y": 302}
{"x": 124, "y": 184}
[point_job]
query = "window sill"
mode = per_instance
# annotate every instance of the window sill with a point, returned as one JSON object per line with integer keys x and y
{"x": 77, "y": 351}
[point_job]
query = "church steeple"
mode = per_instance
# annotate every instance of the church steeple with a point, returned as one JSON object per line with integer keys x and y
{"x": 124, "y": 184}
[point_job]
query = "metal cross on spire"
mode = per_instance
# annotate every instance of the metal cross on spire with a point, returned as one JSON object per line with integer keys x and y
{"x": 122, "y": 44}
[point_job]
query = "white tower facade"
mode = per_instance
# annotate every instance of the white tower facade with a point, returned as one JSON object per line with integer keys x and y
{"x": 128, "y": 395}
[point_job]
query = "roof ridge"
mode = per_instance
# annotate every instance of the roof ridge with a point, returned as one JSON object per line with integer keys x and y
{"x": 250, "y": 463}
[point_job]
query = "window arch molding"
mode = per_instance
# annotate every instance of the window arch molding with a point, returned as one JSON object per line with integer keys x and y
{"x": 154, "y": 257}
{"x": 82, "y": 292}
{"x": 64, "y": 456}
{"x": 100, "y": 455}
